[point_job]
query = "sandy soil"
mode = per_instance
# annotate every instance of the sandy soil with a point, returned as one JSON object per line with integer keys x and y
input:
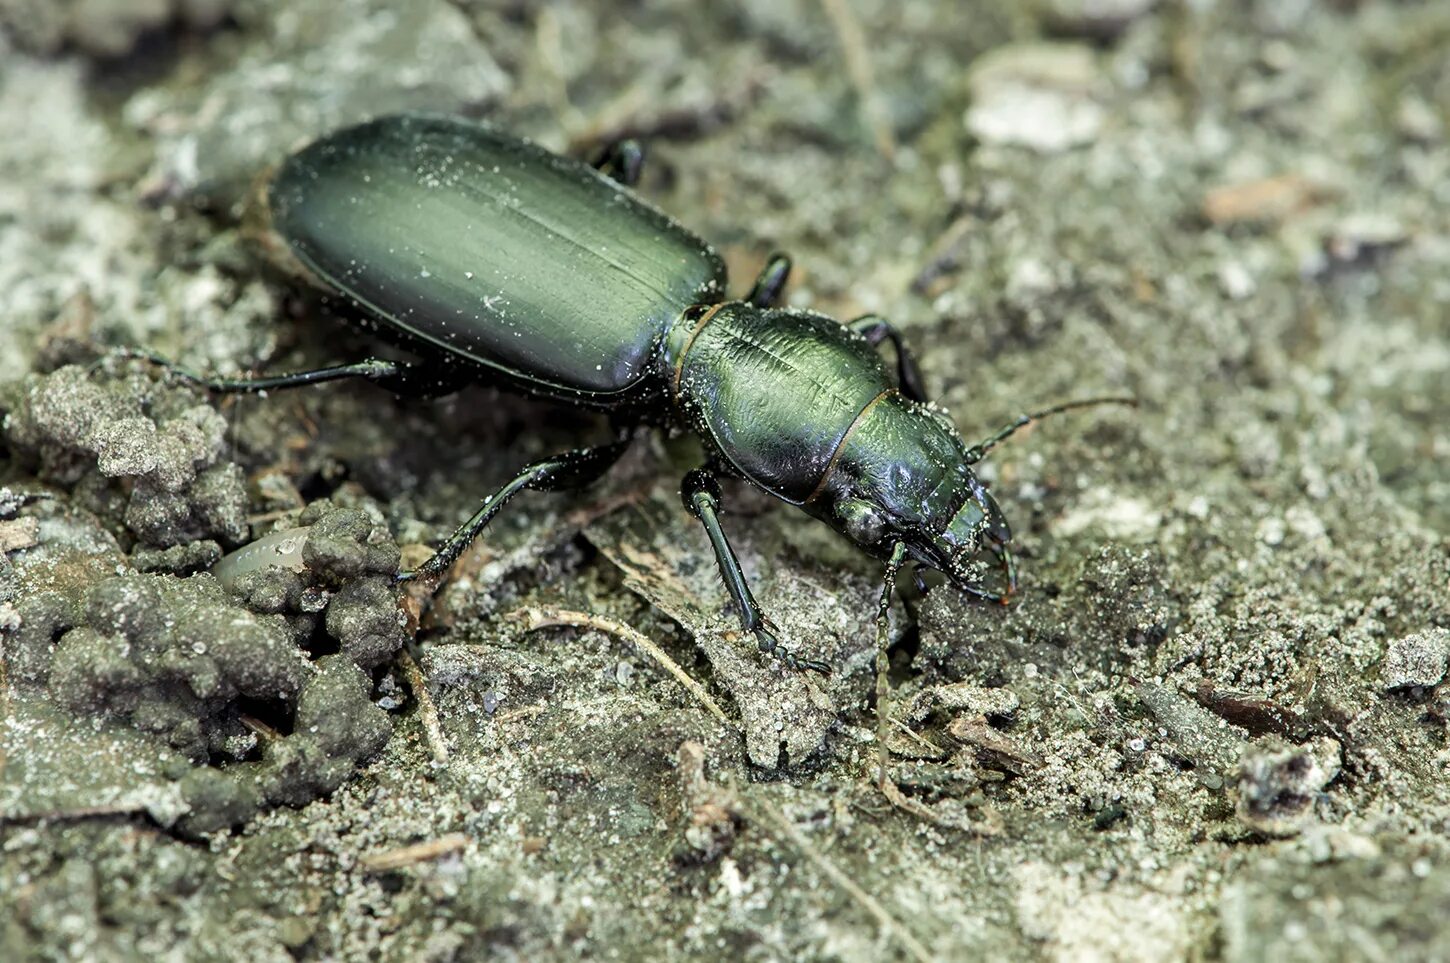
{"x": 1212, "y": 725}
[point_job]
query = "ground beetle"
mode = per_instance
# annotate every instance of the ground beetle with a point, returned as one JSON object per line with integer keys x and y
{"x": 491, "y": 259}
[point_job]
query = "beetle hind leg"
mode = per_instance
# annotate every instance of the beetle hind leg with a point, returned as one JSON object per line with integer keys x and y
{"x": 876, "y": 329}
{"x": 572, "y": 469}
{"x": 414, "y": 380}
{"x": 622, "y": 161}
{"x": 770, "y": 282}
{"x": 701, "y": 495}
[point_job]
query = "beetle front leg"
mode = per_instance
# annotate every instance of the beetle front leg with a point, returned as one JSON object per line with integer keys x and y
{"x": 876, "y": 329}
{"x": 569, "y": 470}
{"x": 883, "y": 660}
{"x": 701, "y": 495}
{"x": 622, "y": 161}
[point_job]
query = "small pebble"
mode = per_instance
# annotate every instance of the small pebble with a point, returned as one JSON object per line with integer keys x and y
{"x": 1418, "y": 660}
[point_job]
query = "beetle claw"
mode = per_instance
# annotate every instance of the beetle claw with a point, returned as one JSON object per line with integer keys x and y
{"x": 769, "y": 645}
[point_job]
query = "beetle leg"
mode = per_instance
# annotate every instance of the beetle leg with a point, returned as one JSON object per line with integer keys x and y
{"x": 372, "y": 369}
{"x": 883, "y": 659}
{"x": 621, "y": 161}
{"x": 1009, "y": 569}
{"x": 876, "y": 329}
{"x": 569, "y": 470}
{"x": 771, "y": 280}
{"x": 396, "y": 376}
{"x": 701, "y": 495}
{"x": 426, "y": 380}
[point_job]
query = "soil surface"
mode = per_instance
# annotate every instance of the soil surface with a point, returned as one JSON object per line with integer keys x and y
{"x": 1210, "y": 725}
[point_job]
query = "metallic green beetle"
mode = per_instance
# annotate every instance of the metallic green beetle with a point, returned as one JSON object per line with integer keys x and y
{"x": 492, "y": 259}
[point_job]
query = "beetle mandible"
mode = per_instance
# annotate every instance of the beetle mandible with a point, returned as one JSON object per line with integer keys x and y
{"x": 492, "y": 259}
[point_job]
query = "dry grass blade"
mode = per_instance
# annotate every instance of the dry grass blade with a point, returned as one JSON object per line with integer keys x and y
{"x": 537, "y": 618}
{"x": 85, "y": 812}
{"x": 889, "y": 924}
{"x": 863, "y": 74}
{"x": 432, "y": 728}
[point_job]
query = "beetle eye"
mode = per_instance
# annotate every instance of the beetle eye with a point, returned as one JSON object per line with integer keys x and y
{"x": 861, "y": 521}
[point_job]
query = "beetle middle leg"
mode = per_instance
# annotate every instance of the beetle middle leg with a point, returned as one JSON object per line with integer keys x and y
{"x": 573, "y": 469}
{"x": 701, "y": 495}
{"x": 876, "y": 329}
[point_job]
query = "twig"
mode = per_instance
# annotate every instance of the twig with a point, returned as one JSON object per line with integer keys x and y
{"x": 260, "y": 729}
{"x": 83, "y": 812}
{"x": 917, "y": 737}
{"x": 548, "y": 36}
{"x": 4, "y": 707}
{"x": 390, "y": 859}
{"x": 537, "y": 618}
{"x": 628, "y": 115}
{"x": 906, "y": 804}
{"x": 432, "y": 730}
{"x": 863, "y": 75}
{"x": 944, "y": 255}
{"x": 513, "y": 715}
{"x": 889, "y": 924}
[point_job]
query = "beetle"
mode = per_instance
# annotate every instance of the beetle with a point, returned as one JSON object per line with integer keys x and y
{"x": 491, "y": 259}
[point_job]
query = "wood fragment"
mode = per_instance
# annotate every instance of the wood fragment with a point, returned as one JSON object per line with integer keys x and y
{"x": 1001, "y": 749}
{"x": 1254, "y": 713}
{"x": 514, "y": 715}
{"x": 264, "y": 732}
{"x": 424, "y": 852}
{"x": 1267, "y": 200}
{"x": 18, "y": 533}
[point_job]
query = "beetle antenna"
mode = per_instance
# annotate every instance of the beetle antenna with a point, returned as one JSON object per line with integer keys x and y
{"x": 979, "y": 451}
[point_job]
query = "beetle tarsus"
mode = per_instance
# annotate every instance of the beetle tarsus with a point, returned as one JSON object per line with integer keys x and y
{"x": 769, "y": 645}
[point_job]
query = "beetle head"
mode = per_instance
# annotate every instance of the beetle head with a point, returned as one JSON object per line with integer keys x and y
{"x": 904, "y": 475}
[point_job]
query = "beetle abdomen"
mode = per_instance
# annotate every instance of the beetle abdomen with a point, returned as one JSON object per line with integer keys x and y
{"x": 492, "y": 249}
{"x": 775, "y": 391}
